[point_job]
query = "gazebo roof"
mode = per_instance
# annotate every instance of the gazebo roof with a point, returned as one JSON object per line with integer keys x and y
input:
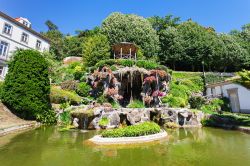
{"x": 125, "y": 46}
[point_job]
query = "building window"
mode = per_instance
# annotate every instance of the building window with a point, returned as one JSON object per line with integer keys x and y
{"x": 3, "y": 48}
{"x": 1, "y": 70}
{"x": 38, "y": 44}
{"x": 25, "y": 37}
{"x": 7, "y": 29}
{"x": 25, "y": 23}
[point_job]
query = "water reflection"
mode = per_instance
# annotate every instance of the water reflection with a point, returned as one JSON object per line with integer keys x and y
{"x": 193, "y": 146}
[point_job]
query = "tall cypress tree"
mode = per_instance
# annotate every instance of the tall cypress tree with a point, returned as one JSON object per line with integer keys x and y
{"x": 26, "y": 88}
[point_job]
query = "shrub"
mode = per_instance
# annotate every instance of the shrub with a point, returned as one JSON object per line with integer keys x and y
{"x": 83, "y": 89}
{"x": 104, "y": 121}
{"x": 1, "y": 88}
{"x": 196, "y": 102}
{"x": 136, "y": 104}
{"x": 145, "y": 128}
{"x": 69, "y": 85}
{"x": 224, "y": 120}
{"x": 26, "y": 88}
{"x": 59, "y": 96}
{"x": 171, "y": 125}
{"x": 48, "y": 117}
{"x": 65, "y": 118}
{"x": 127, "y": 62}
{"x": 215, "y": 106}
{"x": 146, "y": 64}
{"x": 174, "y": 101}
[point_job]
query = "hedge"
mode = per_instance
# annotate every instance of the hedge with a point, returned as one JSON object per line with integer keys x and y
{"x": 27, "y": 87}
{"x": 145, "y": 128}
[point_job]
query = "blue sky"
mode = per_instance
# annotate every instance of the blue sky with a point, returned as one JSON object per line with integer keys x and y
{"x": 70, "y": 15}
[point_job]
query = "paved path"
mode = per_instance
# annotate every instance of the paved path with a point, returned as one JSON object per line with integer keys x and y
{"x": 11, "y": 123}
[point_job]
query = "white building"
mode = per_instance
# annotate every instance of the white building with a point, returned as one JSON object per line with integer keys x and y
{"x": 238, "y": 95}
{"x": 17, "y": 34}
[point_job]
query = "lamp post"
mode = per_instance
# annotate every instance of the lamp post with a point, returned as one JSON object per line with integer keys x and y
{"x": 204, "y": 77}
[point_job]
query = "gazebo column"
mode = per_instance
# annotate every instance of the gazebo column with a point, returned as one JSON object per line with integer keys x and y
{"x": 130, "y": 53}
{"x": 114, "y": 54}
{"x": 121, "y": 52}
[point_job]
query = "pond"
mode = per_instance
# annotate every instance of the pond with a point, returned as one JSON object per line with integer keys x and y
{"x": 47, "y": 146}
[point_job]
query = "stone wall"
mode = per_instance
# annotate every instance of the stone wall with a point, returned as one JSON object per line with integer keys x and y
{"x": 180, "y": 117}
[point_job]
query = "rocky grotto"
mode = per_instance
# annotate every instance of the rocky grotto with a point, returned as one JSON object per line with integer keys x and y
{"x": 130, "y": 83}
{"x": 124, "y": 85}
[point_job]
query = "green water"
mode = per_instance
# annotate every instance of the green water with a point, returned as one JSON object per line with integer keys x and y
{"x": 47, "y": 146}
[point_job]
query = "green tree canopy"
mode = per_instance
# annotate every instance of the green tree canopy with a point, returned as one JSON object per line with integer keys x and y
{"x": 171, "y": 44}
{"x": 26, "y": 88}
{"x": 72, "y": 46}
{"x": 120, "y": 27}
{"x": 162, "y": 23}
{"x": 233, "y": 55}
{"x": 95, "y": 48}
{"x": 197, "y": 43}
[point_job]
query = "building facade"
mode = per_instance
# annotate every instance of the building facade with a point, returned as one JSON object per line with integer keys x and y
{"x": 17, "y": 34}
{"x": 238, "y": 95}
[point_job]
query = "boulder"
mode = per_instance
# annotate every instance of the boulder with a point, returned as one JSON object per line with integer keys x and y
{"x": 71, "y": 59}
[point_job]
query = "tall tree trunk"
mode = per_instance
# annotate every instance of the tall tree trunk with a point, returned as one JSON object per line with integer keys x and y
{"x": 174, "y": 65}
{"x": 193, "y": 68}
{"x": 225, "y": 68}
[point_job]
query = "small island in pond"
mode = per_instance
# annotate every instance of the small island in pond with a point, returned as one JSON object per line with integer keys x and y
{"x": 140, "y": 133}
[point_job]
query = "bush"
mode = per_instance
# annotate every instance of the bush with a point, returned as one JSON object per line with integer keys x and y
{"x": 48, "y": 117}
{"x": 69, "y": 85}
{"x": 65, "y": 118}
{"x": 196, "y": 102}
{"x": 127, "y": 62}
{"x": 182, "y": 86}
{"x": 104, "y": 121}
{"x": 27, "y": 87}
{"x": 83, "y": 89}
{"x": 59, "y": 96}
{"x": 1, "y": 88}
{"x": 136, "y": 104}
{"x": 171, "y": 125}
{"x": 225, "y": 120}
{"x": 215, "y": 105}
{"x": 142, "y": 129}
{"x": 174, "y": 101}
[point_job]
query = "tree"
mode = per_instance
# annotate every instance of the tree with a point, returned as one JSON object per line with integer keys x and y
{"x": 26, "y": 88}
{"x": 88, "y": 33}
{"x": 162, "y": 23}
{"x": 120, "y": 27}
{"x": 56, "y": 40}
{"x": 51, "y": 26}
{"x": 95, "y": 48}
{"x": 171, "y": 44}
{"x": 72, "y": 46}
{"x": 233, "y": 55}
{"x": 197, "y": 43}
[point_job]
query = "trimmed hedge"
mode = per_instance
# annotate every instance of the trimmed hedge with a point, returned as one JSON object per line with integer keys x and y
{"x": 127, "y": 62}
{"x": 27, "y": 87}
{"x": 145, "y": 128}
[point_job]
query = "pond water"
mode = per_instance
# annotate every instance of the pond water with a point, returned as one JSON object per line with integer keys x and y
{"x": 47, "y": 146}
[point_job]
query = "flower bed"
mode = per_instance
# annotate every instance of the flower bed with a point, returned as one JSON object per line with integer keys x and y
{"x": 146, "y": 128}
